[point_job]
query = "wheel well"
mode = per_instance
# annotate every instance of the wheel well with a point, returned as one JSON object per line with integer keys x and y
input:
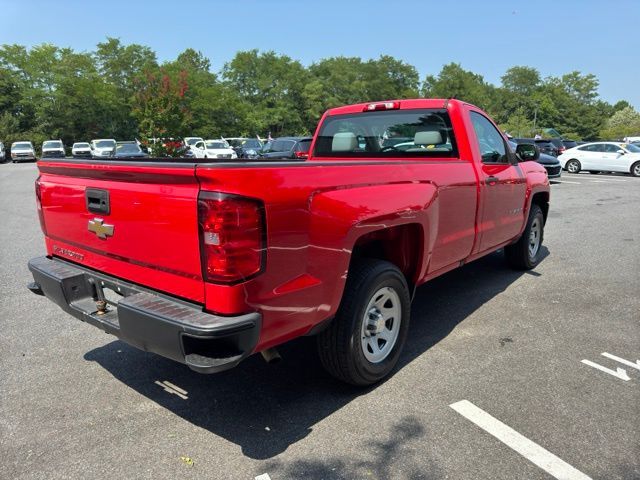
{"x": 542, "y": 200}
{"x": 401, "y": 245}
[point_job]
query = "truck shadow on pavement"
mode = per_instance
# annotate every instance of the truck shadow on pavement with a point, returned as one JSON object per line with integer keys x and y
{"x": 266, "y": 408}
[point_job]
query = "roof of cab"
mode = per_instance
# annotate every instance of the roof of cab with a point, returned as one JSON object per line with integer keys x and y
{"x": 404, "y": 105}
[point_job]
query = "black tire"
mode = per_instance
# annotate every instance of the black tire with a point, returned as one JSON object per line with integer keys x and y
{"x": 635, "y": 169}
{"x": 340, "y": 346}
{"x": 569, "y": 166}
{"x": 518, "y": 255}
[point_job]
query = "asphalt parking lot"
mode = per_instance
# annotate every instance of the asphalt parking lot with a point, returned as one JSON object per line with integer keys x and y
{"x": 76, "y": 403}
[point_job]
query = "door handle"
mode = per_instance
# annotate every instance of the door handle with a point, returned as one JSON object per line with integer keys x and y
{"x": 491, "y": 180}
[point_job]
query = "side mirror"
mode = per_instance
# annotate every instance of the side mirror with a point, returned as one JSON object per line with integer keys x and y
{"x": 621, "y": 152}
{"x": 527, "y": 152}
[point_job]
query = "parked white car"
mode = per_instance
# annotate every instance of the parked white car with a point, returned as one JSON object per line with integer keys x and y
{"x": 3, "y": 154}
{"x": 22, "y": 151}
{"x": 198, "y": 149}
{"x": 103, "y": 147}
{"x": 81, "y": 149}
{"x": 53, "y": 149}
{"x": 219, "y": 149}
{"x": 602, "y": 157}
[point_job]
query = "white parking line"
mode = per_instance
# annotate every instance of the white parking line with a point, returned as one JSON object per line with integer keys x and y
{"x": 635, "y": 365}
{"x": 608, "y": 177}
{"x": 566, "y": 181}
{"x": 264, "y": 476}
{"x": 620, "y": 373}
{"x": 521, "y": 444}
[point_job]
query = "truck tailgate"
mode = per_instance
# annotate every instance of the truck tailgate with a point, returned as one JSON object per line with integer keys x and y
{"x": 137, "y": 222}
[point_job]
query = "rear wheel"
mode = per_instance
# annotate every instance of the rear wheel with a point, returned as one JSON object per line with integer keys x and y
{"x": 573, "y": 166}
{"x": 525, "y": 254}
{"x": 635, "y": 169}
{"x": 365, "y": 339}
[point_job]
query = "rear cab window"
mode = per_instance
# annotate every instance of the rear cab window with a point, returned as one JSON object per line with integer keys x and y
{"x": 415, "y": 133}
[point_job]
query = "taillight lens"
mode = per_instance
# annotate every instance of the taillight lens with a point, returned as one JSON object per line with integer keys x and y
{"x": 232, "y": 237}
{"x": 39, "y": 205}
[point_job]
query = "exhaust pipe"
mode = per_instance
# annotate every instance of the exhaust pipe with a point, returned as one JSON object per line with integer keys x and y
{"x": 271, "y": 355}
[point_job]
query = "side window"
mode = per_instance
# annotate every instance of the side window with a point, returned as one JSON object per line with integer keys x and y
{"x": 610, "y": 148}
{"x": 490, "y": 142}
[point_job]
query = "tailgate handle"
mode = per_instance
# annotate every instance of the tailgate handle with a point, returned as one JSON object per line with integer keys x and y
{"x": 97, "y": 200}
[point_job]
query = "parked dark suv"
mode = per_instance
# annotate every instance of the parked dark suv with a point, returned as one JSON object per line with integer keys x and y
{"x": 544, "y": 144}
{"x": 549, "y": 162}
{"x": 288, "y": 147}
{"x": 245, "y": 147}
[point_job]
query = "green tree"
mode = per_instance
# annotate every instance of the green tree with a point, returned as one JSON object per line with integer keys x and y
{"x": 455, "y": 82}
{"x": 518, "y": 124}
{"x": 623, "y": 123}
{"x": 272, "y": 87}
{"x": 159, "y": 104}
{"x": 521, "y": 80}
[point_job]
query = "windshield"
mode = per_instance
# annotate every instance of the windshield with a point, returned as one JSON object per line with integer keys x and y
{"x": 52, "y": 144}
{"x": 81, "y": 145}
{"x": 105, "y": 144}
{"x": 632, "y": 148}
{"x": 21, "y": 145}
{"x": 420, "y": 133}
{"x": 128, "y": 148}
{"x": 215, "y": 145}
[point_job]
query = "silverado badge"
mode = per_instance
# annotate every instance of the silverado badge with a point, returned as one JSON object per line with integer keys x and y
{"x": 101, "y": 229}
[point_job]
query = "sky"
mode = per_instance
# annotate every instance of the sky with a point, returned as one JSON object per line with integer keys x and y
{"x": 484, "y": 36}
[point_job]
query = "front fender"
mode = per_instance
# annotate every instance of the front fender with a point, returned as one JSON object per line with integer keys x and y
{"x": 537, "y": 182}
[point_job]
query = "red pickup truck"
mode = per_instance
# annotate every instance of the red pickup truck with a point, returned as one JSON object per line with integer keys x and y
{"x": 207, "y": 263}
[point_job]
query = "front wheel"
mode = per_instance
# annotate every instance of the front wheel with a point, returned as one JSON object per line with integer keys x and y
{"x": 526, "y": 253}
{"x": 365, "y": 339}
{"x": 635, "y": 169}
{"x": 573, "y": 166}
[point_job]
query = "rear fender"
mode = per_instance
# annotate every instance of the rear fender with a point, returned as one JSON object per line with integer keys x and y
{"x": 340, "y": 217}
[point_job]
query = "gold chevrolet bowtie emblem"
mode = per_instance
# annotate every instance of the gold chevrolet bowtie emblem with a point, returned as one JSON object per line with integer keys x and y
{"x": 101, "y": 229}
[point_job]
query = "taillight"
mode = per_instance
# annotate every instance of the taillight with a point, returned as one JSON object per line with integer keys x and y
{"x": 372, "y": 107}
{"x": 232, "y": 237}
{"x": 302, "y": 154}
{"x": 39, "y": 205}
